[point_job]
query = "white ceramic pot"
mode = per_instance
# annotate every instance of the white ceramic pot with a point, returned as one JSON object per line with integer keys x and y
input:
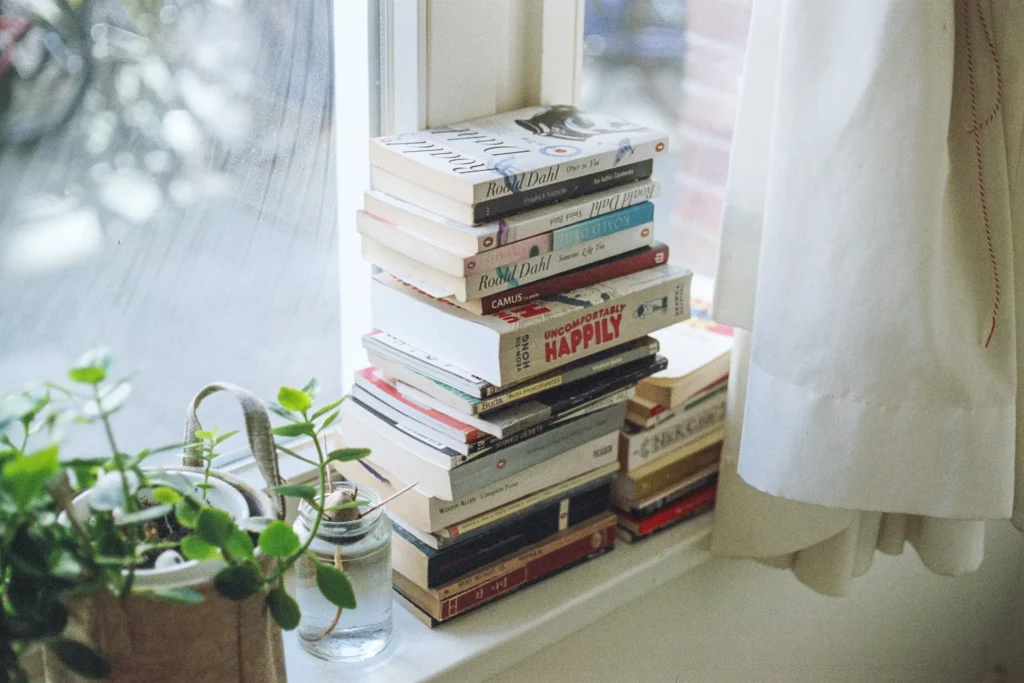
{"x": 190, "y": 572}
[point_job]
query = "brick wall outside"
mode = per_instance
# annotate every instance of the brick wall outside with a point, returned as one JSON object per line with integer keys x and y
{"x": 716, "y": 36}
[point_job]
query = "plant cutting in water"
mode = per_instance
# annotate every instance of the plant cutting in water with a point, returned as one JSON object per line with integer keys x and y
{"x": 134, "y": 516}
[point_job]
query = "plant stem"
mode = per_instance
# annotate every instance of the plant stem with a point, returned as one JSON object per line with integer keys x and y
{"x": 129, "y": 499}
{"x": 294, "y": 454}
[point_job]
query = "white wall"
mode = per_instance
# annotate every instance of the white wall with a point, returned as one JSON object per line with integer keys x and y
{"x": 735, "y": 620}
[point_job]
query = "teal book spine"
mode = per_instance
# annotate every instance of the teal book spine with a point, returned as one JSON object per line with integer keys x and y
{"x": 603, "y": 226}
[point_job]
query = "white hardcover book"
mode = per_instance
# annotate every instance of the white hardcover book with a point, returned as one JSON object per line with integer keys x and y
{"x": 504, "y": 278}
{"x": 433, "y": 514}
{"x": 519, "y": 343}
{"x": 463, "y": 237}
{"x": 514, "y": 152}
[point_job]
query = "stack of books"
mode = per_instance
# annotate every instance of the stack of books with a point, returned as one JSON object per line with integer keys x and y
{"x": 519, "y": 283}
{"x": 669, "y": 449}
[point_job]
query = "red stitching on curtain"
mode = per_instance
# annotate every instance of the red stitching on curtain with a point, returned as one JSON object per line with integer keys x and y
{"x": 975, "y": 131}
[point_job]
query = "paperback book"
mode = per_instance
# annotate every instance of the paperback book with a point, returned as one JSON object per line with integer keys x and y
{"x": 695, "y": 504}
{"x": 665, "y": 497}
{"x": 527, "y": 341}
{"x": 671, "y": 468}
{"x": 480, "y": 239}
{"x": 474, "y": 395}
{"x": 515, "y": 152}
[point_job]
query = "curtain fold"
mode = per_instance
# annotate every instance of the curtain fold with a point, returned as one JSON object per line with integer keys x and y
{"x": 868, "y": 263}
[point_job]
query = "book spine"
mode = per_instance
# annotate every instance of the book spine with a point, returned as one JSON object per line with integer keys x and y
{"x": 527, "y": 350}
{"x": 666, "y": 476}
{"x": 521, "y": 273}
{"x": 533, "y": 569}
{"x": 523, "y": 226}
{"x": 517, "y": 506}
{"x": 662, "y": 503}
{"x": 369, "y": 381}
{"x": 512, "y": 184}
{"x": 673, "y": 513}
{"x": 596, "y": 228}
{"x": 449, "y": 564}
{"x": 514, "y": 202}
{"x": 407, "y": 354}
{"x": 581, "y": 277}
{"x": 644, "y": 446}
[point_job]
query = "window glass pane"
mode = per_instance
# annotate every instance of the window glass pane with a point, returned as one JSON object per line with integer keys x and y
{"x": 674, "y": 65}
{"x": 185, "y": 214}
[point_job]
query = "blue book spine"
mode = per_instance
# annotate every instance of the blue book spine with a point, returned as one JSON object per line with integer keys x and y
{"x": 602, "y": 226}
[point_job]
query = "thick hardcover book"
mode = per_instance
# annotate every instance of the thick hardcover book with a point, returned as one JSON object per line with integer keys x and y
{"x": 617, "y": 266}
{"x": 553, "y": 403}
{"x": 499, "y": 578}
{"x": 526, "y": 341}
{"x": 445, "y": 259}
{"x": 687, "y": 508}
{"x": 518, "y": 228}
{"x": 698, "y": 352}
{"x": 500, "y": 279}
{"x": 458, "y": 388}
{"x": 640, "y": 446}
{"x": 515, "y": 152}
{"x": 662, "y": 499}
{"x": 469, "y": 529}
{"x": 412, "y": 459}
{"x": 431, "y": 568}
{"x": 670, "y": 469}
{"x": 431, "y": 514}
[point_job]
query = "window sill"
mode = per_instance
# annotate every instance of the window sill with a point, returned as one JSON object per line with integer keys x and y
{"x": 494, "y": 638}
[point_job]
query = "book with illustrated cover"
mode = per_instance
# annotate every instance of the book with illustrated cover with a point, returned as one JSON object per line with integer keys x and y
{"x": 430, "y": 567}
{"x": 640, "y": 446}
{"x": 520, "y": 227}
{"x": 523, "y": 342}
{"x": 504, "y": 576}
{"x": 474, "y": 395}
{"x": 501, "y": 279}
{"x": 431, "y": 514}
{"x": 541, "y": 502}
{"x": 460, "y": 263}
{"x": 416, "y": 460}
{"x": 515, "y": 152}
{"x": 698, "y": 351}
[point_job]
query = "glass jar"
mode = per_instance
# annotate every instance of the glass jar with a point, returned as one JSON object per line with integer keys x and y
{"x": 362, "y": 549}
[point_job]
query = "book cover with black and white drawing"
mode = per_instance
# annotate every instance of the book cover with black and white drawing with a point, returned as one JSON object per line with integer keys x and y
{"x": 513, "y": 152}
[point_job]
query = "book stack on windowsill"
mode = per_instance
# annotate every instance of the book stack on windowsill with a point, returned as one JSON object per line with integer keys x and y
{"x": 520, "y": 283}
{"x": 669, "y": 449}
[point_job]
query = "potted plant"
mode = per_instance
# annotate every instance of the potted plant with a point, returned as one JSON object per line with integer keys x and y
{"x": 118, "y": 570}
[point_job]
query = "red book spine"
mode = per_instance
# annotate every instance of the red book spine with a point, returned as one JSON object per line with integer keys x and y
{"x": 581, "y": 277}
{"x": 534, "y": 569}
{"x": 471, "y": 433}
{"x": 675, "y": 511}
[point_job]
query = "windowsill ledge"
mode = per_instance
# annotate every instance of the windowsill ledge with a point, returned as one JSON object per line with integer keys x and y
{"x": 496, "y": 637}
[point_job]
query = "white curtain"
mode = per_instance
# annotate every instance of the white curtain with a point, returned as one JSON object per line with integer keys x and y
{"x": 868, "y": 262}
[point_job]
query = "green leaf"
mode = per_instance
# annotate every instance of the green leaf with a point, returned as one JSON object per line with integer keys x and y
{"x": 330, "y": 419}
{"x": 195, "y": 548}
{"x": 348, "y": 454}
{"x": 293, "y": 399}
{"x": 203, "y": 434}
{"x": 335, "y": 586}
{"x": 167, "y": 495}
{"x": 184, "y": 596}
{"x": 25, "y": 477}
{"x": 81, "y": 659}
{"x": 345, "y": 506}
{"x": 187, "y": 512}
{"x": 307, "y": 493}
{"x": 224, "y": 437}
{"x": 327, "y": 408}
{"x": 279, "y": 540}
{"x": 238, "y": 582}
{"x": 214, "y": 526}
{"x": 286, "y": 414}
{"x": 283, "y": 608}
{"x": 297, "y": 429}
{"x": 240, "y": 545}
{"x": 87, "y": 375}
{"x": 312, "y": 388}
